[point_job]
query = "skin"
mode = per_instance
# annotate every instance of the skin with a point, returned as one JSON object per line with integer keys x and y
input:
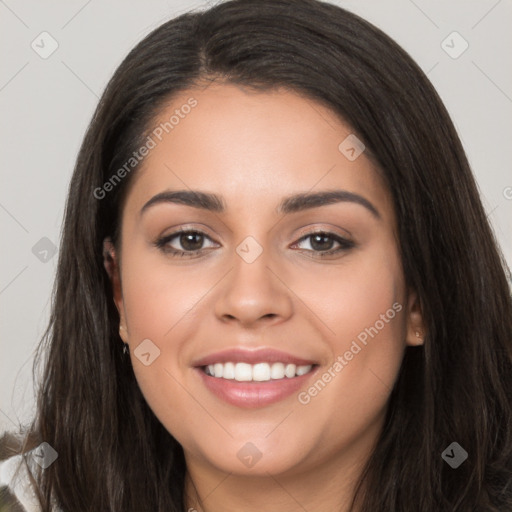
{"x": 254, "y": 148}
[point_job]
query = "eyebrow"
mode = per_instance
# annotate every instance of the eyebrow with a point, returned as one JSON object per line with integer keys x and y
{"x": 290, "y": 204}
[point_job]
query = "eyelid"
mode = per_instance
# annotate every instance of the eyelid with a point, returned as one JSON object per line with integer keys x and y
{"x": 345, "y": 244}
{"x": 184, "y": 228}
{"x": 330, "y": 230}
{"x": 304, "y": 231}
{"x": 163, "y": 240}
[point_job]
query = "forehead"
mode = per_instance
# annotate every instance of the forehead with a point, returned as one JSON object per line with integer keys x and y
{"x": 251, "y": 147}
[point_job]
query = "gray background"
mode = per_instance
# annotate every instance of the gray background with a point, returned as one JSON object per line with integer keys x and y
{"x": 46, "y": 105}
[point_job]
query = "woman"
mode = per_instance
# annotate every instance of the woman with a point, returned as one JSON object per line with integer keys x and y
{"x": 277, "y": 287}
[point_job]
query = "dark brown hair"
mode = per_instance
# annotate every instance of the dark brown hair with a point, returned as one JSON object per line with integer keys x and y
{"x": 114, "y": 455}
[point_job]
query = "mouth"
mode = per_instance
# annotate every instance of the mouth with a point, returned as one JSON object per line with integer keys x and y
{"x": 252, "y": 379}
{"x": 259, "y": 372}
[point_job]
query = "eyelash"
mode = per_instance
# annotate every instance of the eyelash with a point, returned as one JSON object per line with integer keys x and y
{"x": 161, "y": 244}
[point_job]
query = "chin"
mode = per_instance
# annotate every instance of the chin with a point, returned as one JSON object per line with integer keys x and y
{"x": 256, "y": 456}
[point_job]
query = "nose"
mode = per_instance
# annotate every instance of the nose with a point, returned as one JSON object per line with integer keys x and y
{"x": 254, "y": 293}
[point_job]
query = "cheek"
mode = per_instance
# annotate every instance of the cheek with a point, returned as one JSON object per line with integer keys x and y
{"x": 365, "y": 314}
{"x": 161, "y": 305}
{"x": 157, "y": 297}
{"x": 370, "y": 323}
{"x": 356, "y": 297}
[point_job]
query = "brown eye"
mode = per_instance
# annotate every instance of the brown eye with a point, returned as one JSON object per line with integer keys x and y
{"x": 183, "y": 243}
{"x": 191, "y": 241}
{"x": 322, "y": 243}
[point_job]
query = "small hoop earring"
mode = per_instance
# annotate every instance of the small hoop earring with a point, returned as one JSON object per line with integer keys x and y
{"x": 126, "y": 350}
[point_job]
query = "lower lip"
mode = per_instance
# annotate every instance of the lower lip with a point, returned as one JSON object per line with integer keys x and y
{"x": 250, "y": 395}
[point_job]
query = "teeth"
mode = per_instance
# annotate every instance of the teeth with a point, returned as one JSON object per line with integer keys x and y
{"x": 229, "y": 371}
{"x": 302, "y": 370}
{"x": 277, "y": 371}
{"x": 289, "y": 371}
{"x": 260, "y": 372}
{"x": 243, "y": 372}
{"x": 218, "y": 369}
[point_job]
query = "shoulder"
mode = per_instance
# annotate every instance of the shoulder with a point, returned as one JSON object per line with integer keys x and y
{"x": 14, "y": 477}
{"x": 22, "y": 457}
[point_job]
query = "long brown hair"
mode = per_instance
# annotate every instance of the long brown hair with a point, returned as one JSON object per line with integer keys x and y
{"x": 114, "y": 455}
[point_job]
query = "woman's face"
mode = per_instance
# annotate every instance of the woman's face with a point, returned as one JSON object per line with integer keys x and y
{"x": 272, "y": 344}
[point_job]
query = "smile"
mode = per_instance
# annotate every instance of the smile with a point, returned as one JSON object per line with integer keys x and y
{"x": 259, "y": 372}
{"x": 253, "y": 378}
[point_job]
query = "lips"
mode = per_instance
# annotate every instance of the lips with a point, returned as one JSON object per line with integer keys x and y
{"x": 252, "y": 357}
{"x": 253, "y": 378}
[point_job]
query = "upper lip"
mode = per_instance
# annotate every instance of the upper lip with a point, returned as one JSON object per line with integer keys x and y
{"x": 242, "y": 355}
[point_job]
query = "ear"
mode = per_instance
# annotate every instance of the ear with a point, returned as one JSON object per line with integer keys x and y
{"x": 415, "y": 328}
{"x": 111, "y": 263}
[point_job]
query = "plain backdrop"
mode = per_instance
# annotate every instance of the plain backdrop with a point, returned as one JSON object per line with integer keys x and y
{"x": 46, "y": 105}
